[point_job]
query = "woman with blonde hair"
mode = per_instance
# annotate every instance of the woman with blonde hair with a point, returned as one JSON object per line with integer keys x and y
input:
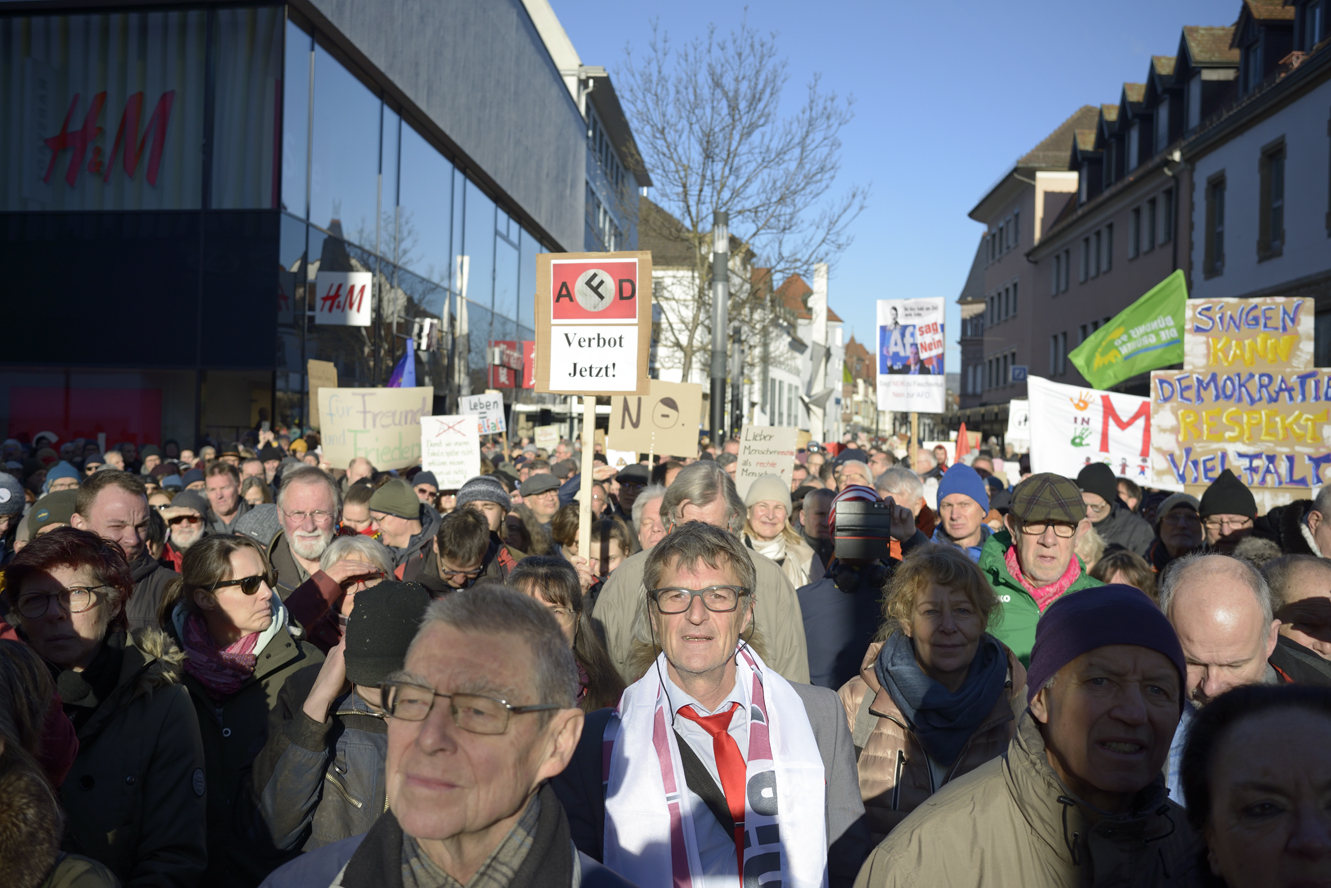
{"x": 937, "y": 695}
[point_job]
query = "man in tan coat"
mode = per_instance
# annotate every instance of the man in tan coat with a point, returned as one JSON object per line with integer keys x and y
{"x": 1078, "y": 798}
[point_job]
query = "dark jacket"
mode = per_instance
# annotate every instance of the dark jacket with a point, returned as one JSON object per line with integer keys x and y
{"x": 234, "y": 731}
{"x": 1284, "y": 525}
{"x": 150, "y": 582}
{"x": 499, "y": 562}
{"x": 1124, "y": 528}
{"x": 1299, "y": 665}
{"x": 135, "y": 796}
{"x": 582, "y": 792}
{"x": 408, "y": 561}
{"x": 320, "y": 783}
{"x": 374, "y": 860}
{"x": 30, "y": 854}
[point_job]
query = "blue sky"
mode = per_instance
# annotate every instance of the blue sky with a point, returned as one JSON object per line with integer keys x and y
{"x": 947, "y": 96}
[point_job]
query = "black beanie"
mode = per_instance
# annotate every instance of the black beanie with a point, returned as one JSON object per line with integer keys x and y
{"x": 1227, "y": 495}
{"x": 380, "y": 629}
{"x": 1099, "y": 479}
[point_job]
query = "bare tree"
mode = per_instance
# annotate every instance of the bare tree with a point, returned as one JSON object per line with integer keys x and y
{"x": 708, "y": 121}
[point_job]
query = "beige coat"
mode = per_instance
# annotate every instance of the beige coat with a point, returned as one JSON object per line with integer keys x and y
{"x": 894, "y": 774}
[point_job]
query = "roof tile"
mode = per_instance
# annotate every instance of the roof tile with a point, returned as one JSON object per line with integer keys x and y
{"x": 1052, "y": 152}
{"x": 1208, "y": 46}
{"x": 1270, "y": 10}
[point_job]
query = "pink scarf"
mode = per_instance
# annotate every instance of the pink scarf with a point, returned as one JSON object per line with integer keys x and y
{"x": 1043, "y": 595}
{"x": 221, "y": 670}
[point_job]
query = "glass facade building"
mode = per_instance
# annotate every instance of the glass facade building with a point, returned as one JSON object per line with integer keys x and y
{"x": 173, "y": 181}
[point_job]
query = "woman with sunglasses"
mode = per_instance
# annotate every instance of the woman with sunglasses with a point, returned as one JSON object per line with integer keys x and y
{"x": 134, "y": 795}
{"x": 239, "y": 652}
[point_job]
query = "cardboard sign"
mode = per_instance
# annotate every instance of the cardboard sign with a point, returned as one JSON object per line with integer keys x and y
{"x": 765, "y": 450}
{"x": 323, "y": 374}
{"x": 381, "y": 424}
{"x": 1072, "y": 427}
{"x": 621, "y": 459}
{"x": 451, "y": 448}
{"x": 664, "y": 421}
{"x": 593, "y": 322}
{"x": 910, "y": 355}
{"x": 343, "y": 298}
{"x": 547, "y": 436}
{"x": 488, "y": 408}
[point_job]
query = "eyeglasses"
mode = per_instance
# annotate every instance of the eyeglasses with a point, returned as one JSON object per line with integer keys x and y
{"x": 74, "y": 600}
{"x": 446, "y": 571}
{"x": 1233, "y": 523}
{"x": 474, "y": 713}
{"x": 248, "y": 585}
{"x": 718, "y": 599}
{"x": 187, "y": 519}
{"x": 362, "y": 578}
{"x": 319, "y": 516}
{"x": 1182, "y": 518}
{"x": 1063, "y": 531}
{"x": 1099, "y": 509}
{"x": 88, "y": 470}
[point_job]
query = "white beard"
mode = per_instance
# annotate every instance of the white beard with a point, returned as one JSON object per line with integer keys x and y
{"x": 310, "y": 547}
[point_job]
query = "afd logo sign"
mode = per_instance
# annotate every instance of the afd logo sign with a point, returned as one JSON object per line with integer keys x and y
{"x": 89, "y": 152}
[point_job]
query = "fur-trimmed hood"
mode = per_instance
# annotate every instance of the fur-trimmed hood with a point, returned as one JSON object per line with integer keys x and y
{"x": 165, "y": 659}
{"x": 30, "y": 828}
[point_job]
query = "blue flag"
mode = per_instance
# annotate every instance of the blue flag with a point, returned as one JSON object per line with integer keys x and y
{"x": 404, "y": 374}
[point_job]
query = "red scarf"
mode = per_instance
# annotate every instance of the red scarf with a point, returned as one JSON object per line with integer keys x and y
{"x": 1043, "y": 595}
{"x": 221, "y": 671}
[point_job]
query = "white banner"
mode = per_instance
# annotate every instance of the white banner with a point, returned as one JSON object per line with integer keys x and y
{"x": 910, "y": 355}
{"x": 488, "y": 409}
{"x": 1072, "y": 427}
{"x": 451, "y": 448}
{"x": 343, "y": 298}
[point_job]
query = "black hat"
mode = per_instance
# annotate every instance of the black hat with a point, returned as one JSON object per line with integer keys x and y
{"x": 539, "y": 483}
{"x": 636, "y": 474}
{"x": 269, "y": 452}
{"x": 1099, "y": 479}
{"x": 1227, "y": 495}
{"x": 853, "y": 453}
{"x": 380, "y": 630}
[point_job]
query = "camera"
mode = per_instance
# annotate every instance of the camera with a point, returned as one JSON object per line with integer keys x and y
{"x": 863, "y": 530}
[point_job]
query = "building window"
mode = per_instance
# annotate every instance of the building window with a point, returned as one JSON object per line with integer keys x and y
{"x": 1014, "y": 298}
{"x": 1063, "y": 353}
{"x": 1082, "y": 332}
{"x": 1134, "y": 144}
{"x": 1271, "y": 228}
{"x": 1150, "y": 225}
{"x": 1195, "y": 101}
{"x": 1167, "y": 216}
{"x": 1213, "y": 262}
{"x": 1007, "y": 372}
{"x": 1067, "y": 262}
{"x": 1081, "y": 185}
{"x": 1134, "y": 232}
{"x": 1055, "y": 274}
{"x": 1085, "y": 271}
{"x": 1097, "y": 253}
{"x": 1016, "y": 228}
{"x": 1162, "y": 124}
{"x": 1109, "y": 247}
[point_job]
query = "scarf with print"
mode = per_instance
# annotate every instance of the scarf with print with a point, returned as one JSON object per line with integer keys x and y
{"x": 1043, "y": 595}
{"x": 221, "y": 670}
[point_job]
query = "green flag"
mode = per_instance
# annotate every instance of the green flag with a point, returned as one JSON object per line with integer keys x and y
{"x": 1147, "y": 335}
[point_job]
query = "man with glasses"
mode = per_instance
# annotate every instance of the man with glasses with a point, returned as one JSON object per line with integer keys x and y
{"x": 761, "y": 771}
{"x": 540, "y": 493}
{"x": 1178, "y": 530}
{"x": 1228, "y": 510}
{"x": 185, "y": 524}
{"x": 1110, "y": 517}
{"x": 483, "y": 714}
{"x": 222, "y": 484}
{"x": 463, "y": 552}
{"x": 1032, "y": 563}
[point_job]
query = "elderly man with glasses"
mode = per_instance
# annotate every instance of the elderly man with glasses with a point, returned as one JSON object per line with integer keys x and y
{"x": 482, "y": 715}
{"x": 1032, "y": 563}
{"x": 1228, "y": 512}
{"x": 714, "y": 769}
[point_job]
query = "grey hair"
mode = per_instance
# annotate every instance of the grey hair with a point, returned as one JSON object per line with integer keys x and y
{"x": 923, "y": 456}
{"x": 359, "y": 546}
{"x": 861, "y": 464}
{"x": 1280, "y": 574}
{"x": 691, "y": 543}
{"x": 701, "y": 483}
{"x": 496, "y": 610}
{"x": 1322, "y": 503}
{"x": 648, "y": 493}
{"x": 1174, "y": 576}
{"x": 901, "y": 483}
{"x": 311, "y": 475}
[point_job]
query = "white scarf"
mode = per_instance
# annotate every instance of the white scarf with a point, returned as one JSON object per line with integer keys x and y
{"x": 776, "y": 549}
{"x": 649, "y": 831}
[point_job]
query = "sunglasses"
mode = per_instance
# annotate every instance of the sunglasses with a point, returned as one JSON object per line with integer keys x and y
{"x": 187, "y": 519}
{"x": 248, "y": 585}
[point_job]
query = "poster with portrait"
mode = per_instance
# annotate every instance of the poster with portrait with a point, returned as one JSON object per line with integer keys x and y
{"x": 910, "y": 355}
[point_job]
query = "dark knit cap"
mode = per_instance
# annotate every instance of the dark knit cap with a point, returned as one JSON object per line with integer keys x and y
{"x": 380, "y": 629}
{"x": 192, "y": 476}
{"x": 396, "y": 498}
{"x": 1099, "y": 479}
{"x": 54, "y": 508}
{"x": 1227, "y": 495}
{"x": 191, "y": 499}
{"x": 425, "y": 478}
{"x": 1094, "y": 618}
{"x": 269, "y": 453}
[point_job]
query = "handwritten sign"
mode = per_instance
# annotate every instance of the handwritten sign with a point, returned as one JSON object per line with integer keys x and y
{"x": 665, "y": 420}
{"x": 381, "y": 424}
{"x": 1071, "y": 427}
{"x": 451, "y": 448}
{"x": 1248, "y": 399}
{"x": 547, "y": 436}
{"x": 489, "y": 410}
{"x": 343, "y": 298}
{"x": 593, "y": 322}
{"x": 323, "y": 374}
{"x": 765, "y": 450}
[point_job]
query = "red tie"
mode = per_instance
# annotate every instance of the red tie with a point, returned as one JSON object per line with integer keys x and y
{"x": 730, "y": 765}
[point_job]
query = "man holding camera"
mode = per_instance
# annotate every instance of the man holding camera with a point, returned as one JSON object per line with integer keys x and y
{"x": 842, "y": 611}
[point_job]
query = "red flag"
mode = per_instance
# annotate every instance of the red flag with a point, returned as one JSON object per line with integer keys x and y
{"x": 963, "y": 443}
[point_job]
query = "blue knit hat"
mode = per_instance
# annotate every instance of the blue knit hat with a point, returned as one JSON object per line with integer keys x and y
{"x": 1093, "y": 618}
{"x": 962, "y": 479}
{"x": 60, "y": 470}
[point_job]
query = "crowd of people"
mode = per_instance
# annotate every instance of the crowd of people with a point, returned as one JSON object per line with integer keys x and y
{"x": 242, "y": 666}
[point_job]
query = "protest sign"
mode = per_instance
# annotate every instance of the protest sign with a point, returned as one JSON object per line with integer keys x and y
{"x": 663, "y": 421}
{"x": 593, "y": 322}
{"x": 765, "y": 450}
{"x": 1248, "y": 399}
{"x": 1072, "y": 427}
{"x": 910, "y": 355}
{"x": 620, "y": 459}
{"x": 547, "y": 436}
{"x": 381, "y": 424}
{"x": 451, "y": 448}
{"x": 489, "y": 410}
{"x": 343, "y": 298}
{"x": 1018, "y": 425}
{"x": 322, "y": 374}
{"x": 1144, "y": 336}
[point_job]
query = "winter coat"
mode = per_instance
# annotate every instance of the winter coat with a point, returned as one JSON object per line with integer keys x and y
{"x": 408, "y": 561}
{"x": 1284, "y": 526}
{"x": 320, "y": 783}
{"x": 499, "y": 561}
{"x": 150, "y": 582}
{"x": 234, "y": 732}
{"x": 1297, "y": 664}
{"x": 895, "y": 777}
{"x": 1127, "y": 529}
{"x": 30, "y": 829}
{"x": 1014, "y": 623}
{"x": 1012, "y": 822}
{"x": 135, "y": 795}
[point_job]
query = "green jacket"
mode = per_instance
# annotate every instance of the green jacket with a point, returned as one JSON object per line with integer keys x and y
{"x": 1014, "y": 622}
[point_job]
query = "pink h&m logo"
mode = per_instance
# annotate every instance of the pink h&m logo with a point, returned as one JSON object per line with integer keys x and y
{"x": 127, "y": 139}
